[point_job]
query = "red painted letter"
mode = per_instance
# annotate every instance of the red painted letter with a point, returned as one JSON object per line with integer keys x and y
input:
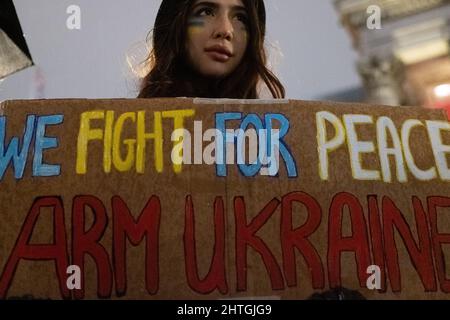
{"x": 357, "y": 242}
{"x": 420, "y": 255}
{"x": 89, "y": 243}
{"x": 245, "y": 236}
{"x": 377, "y": 238}
{"x": 439, "y": 239}
{"x": 298, "y": 238}
{"x": 147, "y": 225}
{"x": 216, "y": 277}
{"x": 39, "y": 252}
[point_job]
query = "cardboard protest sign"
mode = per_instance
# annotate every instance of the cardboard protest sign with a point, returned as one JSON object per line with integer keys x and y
{"x": 168, "y": 199}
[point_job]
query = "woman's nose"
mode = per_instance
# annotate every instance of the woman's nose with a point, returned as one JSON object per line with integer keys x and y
{"x": 224, "y": 29}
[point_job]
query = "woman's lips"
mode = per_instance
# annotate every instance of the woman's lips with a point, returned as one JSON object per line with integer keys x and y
{"x": 218, "y": 56}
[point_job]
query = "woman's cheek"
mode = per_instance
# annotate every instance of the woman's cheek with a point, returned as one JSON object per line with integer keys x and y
{"x": 243, "y": 37}
{"x": 242, "y": 43}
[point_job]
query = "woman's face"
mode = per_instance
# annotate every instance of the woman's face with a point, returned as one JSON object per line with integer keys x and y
{"x": 217, "y": 36}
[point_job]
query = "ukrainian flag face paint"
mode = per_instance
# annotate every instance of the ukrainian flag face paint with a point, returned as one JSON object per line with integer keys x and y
{"x": 217, "y": 36}
{"x": 195, "y": 25}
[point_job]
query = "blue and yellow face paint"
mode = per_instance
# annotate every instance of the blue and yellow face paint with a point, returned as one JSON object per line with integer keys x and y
{"x": 195, "y": 25}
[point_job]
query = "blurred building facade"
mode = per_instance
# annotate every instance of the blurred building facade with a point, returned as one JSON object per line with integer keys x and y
{"x": 405, "y": 60}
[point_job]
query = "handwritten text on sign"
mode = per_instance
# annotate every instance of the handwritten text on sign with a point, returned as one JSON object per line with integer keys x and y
{"x": 107, "y": 127}
{"x": 222, "y": 201}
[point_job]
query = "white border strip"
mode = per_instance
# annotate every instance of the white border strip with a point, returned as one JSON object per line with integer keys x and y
{"x": 239, "y": 101}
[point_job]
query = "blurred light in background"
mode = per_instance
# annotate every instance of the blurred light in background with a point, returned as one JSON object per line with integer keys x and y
{"x": 440, "y": 97}
{"x": 442, "y": 91}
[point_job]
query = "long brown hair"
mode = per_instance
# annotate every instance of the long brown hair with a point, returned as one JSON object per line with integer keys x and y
{"x": 171, "y": 76}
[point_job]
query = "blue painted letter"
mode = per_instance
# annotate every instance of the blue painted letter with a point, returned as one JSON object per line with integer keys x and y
{"x": 12, "y": 150}
{"x": 221, "y": 118}
{"x": 41, "y": 143}
{"x": 284, "y": 151}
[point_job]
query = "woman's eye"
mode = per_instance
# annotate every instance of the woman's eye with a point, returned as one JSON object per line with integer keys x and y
{"x": 205, "y": 12}
{"x": 243, "y": 18}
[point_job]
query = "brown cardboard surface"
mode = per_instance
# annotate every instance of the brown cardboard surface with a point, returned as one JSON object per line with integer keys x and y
{"x": 258, "y": 236}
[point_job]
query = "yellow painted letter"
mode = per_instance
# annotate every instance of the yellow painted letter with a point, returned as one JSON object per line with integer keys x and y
{"x": 385, "y": 126}
{"x": 440, "y": 150}
{"x": 178, "y": 124}
{"x": 142, "y": 136}
{"x": 357, "y": 147}
{"x": 324, "y": 146}
{"x": 84, "y": 135}
{"x": 420, "y": 174}
{"x": 120, "y": 164}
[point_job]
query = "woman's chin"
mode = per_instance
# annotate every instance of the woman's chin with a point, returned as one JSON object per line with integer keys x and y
{"x": 216, "y": 71}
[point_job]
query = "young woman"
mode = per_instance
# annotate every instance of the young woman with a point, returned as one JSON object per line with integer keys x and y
{"x": 211, "y": 49}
